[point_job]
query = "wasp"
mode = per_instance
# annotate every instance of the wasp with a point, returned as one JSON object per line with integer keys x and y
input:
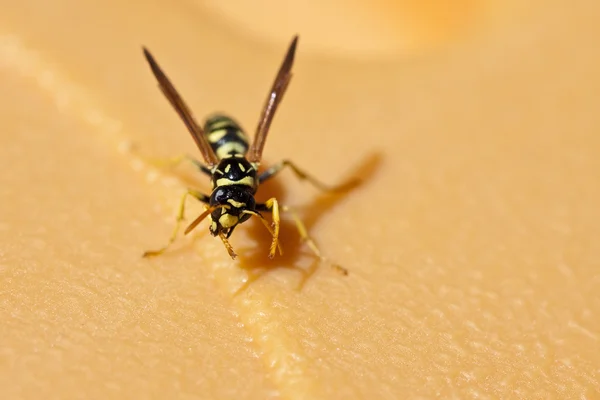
{"x": 233, "y": 165}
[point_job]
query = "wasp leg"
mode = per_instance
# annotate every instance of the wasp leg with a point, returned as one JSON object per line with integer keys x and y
{"x": 304, "y": 235}
{"x": 309, "y": 240}
{"x": 180, "y": 217}
{"x": 266, "y": 224}
{"x": 269, "y": 173}
{"x": 175, "y": 161}
{"x": 272, "y": 205}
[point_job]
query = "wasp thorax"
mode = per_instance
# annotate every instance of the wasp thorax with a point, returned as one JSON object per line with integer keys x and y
{"x": 235, "y": 171}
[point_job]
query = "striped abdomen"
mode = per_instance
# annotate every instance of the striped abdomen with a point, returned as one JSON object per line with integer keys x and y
{"x": 225, "y": 136}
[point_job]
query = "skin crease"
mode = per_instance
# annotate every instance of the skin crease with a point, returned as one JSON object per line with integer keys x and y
{"x": 471, "y": 244}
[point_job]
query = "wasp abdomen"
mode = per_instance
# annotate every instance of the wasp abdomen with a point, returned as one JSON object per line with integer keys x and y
{"x": 225, "y": 136}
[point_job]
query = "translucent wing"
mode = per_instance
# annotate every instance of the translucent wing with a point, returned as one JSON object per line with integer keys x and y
{"x": 275, "y": 95}
{"x": 184, "y": 113}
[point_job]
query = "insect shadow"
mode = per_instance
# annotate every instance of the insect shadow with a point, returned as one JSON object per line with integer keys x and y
{"x": 254, "y": 258}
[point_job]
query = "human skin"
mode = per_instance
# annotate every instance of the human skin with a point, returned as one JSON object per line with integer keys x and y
{"x": 471, "y": 243}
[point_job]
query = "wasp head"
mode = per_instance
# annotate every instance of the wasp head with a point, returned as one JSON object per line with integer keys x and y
{"x": 236, "y": 205}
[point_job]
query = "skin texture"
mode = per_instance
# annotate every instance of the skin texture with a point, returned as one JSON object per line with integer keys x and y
{"x": 472, "y": 243}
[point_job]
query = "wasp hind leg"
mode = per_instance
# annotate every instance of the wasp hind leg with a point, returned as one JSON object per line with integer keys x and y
{"x": 180, "y": 217}
{"x": 274, "y": 170}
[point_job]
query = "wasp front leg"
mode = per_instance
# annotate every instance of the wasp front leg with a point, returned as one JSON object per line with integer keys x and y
{"x": 180, "y": 217}
{"x": 271, "y": 172}
{"x": 272, "y": 205}
{"x": 266, "y": 225}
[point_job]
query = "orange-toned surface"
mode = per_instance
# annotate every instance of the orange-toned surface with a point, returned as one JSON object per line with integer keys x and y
{"x": 472, "y": 245}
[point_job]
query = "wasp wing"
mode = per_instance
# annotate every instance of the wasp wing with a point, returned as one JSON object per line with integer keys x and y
{"x": 182, "y": 109}
{"x": 275, "y": 95}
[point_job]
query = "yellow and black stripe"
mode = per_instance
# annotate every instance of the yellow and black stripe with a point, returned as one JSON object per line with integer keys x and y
{"x": 225, "y": 136}
{"x": 234, "y": 178}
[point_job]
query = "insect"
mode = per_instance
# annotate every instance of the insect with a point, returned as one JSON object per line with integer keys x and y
{"x": 233, "y": 166}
